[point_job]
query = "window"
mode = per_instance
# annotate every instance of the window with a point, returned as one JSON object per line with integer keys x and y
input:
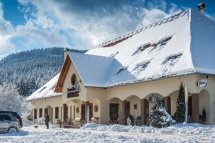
{"x": 56, "y": 112}
{"x": 141, "y": 48}
{"x": 172, "y": 60}
{"x": 40, "y": 112}
{"x": 42, "y": 89}
{"x": 1, "y": 118}
{"x": 35, "y": 113}
{"x": 135, "y": 106}
{"x": 164, "y": 40}
{"x": 5, "y": 117}
{"x": 73, "y": 79}
{"x": 141, "y": 67}
{"x": 46, "y": 111}
{"x": 121, "y": 70}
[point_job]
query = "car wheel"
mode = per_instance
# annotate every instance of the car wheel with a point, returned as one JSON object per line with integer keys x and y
{"x": 12, "y": 130}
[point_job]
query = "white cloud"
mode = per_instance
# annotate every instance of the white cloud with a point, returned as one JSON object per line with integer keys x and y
{"x": 157, "y": 4}
{"x": 152, "y": 15}
{"x": 54, "y": 23}
{"x": 6, "y": 31}
{"x": 174, "y": 8}
{"x": 93, "y": 28}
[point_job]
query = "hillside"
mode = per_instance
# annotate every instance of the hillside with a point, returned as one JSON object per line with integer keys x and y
{"x": 31, "y": 69}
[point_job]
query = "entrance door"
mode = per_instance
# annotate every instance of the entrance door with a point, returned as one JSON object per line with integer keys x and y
{"x": 189, "y": 108}
{"x": 91, "y": 110}
{"x": 146, "y": 112}
{"x": 167, "y": 104}
{"x": 126, "y": 111}
{"x": 65, "y": 112}
{"x": 114, "y": 110}
{"x": 82, "y": 112}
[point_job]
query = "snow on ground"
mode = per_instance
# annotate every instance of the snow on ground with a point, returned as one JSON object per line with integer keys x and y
{"x": 91, "y": 133}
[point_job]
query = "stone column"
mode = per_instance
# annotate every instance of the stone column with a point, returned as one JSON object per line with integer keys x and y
{"x": 195, "y": 107}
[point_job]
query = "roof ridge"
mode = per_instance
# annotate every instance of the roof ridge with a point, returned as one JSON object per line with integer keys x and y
{"x": 105, "y": 57}
{"x": 134, "y": 32}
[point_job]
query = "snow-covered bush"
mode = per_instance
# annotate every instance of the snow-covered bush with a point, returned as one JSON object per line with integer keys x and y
{"x": 159, "y": 117}
{"x": 10, "y": 100}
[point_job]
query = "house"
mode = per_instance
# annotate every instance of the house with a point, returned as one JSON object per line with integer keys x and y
{"x": 121, "y": 77}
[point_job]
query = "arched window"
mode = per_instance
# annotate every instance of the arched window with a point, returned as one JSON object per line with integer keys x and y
{"x": 73, "y": 79}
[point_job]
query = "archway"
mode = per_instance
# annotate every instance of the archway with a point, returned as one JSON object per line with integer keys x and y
{"x": 146, "y": 104}
{"x": 49, "y": 111}
{"x": 95, "y": 110}
{"x": 132, "y": 109}
{"x": 173, "y": 100}
{"x": 204, "y": 103}
{"x": 115, "y": 110}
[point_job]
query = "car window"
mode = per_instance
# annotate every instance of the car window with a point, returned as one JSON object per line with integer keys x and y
{"x": 6, "y": 117}
{"x": 13, "y": 118}
{"x": 1, "y": 118}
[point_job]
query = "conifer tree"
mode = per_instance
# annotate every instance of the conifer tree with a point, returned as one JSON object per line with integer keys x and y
{"x": 159, "y": 117}
{"x": 180, "y": 106}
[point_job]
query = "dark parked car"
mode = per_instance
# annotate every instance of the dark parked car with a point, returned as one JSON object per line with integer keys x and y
{"x": 10, "y": 121}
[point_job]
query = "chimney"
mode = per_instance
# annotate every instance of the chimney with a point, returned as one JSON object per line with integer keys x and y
{"x": 65, "y": 52}
{"x": 201, "y": 7}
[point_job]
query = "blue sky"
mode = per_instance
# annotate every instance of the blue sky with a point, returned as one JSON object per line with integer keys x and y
{"x": 80, "y": 24}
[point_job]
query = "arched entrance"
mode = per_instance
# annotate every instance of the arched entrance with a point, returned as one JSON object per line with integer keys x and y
{"x": 49, "y": 111}
{"x": 146, "y": 105}
{"x": 204, "y": 103}
{"x": 95, "y": 110}
{"x": 173, "y": 100}
{"x": 132, "y": 109}
{"x": 115, "y": 110}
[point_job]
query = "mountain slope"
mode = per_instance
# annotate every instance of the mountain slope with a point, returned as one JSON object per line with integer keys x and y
{"x": 31, "y": 69}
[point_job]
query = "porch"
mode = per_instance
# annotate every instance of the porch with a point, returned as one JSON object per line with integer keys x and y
{"x": 138, "y": 110}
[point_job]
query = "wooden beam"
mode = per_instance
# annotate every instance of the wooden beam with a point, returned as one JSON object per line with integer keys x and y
{"x": 65, "y": 69}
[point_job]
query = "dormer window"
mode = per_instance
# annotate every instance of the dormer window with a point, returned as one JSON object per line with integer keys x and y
{"x": 121, "y": 70}
{"x": 172, "y": 60}
{"x": 42, "y": 89}
{"x": 159, "y": 45}
{"x": 141, "y": 48}
{"x": 164, "y": 40}
{"x": 141, "y": 67}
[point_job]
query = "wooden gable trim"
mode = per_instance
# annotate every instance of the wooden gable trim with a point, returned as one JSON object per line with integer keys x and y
{"x": 65, "y": 69}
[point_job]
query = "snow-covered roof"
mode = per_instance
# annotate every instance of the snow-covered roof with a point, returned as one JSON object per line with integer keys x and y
{"x": 177, "y": 45}
{"x": 46, "y": 90}
{"x": 99, "y": 71}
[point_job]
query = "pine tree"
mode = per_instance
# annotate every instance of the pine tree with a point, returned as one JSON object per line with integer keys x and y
{"x": 180, "y": 106}
{"x": 159, "y": 117}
